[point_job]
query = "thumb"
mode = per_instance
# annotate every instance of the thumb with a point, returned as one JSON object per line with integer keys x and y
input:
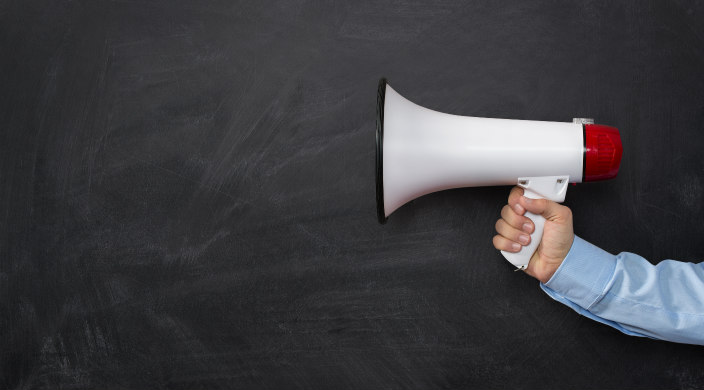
{"x": 547, "y": 208}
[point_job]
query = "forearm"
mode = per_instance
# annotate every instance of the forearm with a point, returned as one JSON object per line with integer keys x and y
{"x": 627, "y": 292}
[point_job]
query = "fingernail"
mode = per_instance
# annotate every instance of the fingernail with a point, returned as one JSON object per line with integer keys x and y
{"x": 515, "y": 246}
{"x": 518, "y": 209}
{"x": 527, "y": 200}
{"x": 527, "y": 227}
{"x": 523, "y": 239}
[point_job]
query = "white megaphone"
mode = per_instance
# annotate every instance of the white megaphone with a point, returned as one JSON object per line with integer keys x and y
{"x": 419, "y": 151}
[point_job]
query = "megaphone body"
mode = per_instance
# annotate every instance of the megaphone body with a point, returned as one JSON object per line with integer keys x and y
{"x": 420, "y": 151}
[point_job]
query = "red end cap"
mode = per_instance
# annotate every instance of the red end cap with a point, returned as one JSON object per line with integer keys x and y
{"x": 602, "y": 156}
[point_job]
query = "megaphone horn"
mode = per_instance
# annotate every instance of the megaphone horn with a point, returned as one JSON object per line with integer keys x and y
{"x": 419, "y": 151}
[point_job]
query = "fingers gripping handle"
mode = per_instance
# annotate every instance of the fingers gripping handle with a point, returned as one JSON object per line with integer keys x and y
{"x": 522, "y": 258}
{"x": 548, "y": 187}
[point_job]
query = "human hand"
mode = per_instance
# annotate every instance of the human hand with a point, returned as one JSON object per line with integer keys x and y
{"x": 514, "y": 231}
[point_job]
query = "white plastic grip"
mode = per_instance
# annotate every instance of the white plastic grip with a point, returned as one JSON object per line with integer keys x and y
{"x": 547, "y": 187}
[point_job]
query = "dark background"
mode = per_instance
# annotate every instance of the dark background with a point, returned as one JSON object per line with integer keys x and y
{"x": 187, "y": 192}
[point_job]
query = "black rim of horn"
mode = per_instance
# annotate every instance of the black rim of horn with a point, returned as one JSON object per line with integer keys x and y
{"x": 380, "y": 95}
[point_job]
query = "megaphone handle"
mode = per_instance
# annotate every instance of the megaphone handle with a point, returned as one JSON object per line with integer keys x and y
{"x": 544, "y": 187}
{"x": 521, "y": 258}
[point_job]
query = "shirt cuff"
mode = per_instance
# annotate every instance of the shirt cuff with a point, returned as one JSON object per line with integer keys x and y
{"x": 584, "y": 274}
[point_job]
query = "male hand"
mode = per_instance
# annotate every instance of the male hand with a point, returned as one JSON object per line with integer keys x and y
{"x": 514, "y": 231}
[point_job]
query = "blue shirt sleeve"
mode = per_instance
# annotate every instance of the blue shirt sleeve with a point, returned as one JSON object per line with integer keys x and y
{"x": 663, "y": 301}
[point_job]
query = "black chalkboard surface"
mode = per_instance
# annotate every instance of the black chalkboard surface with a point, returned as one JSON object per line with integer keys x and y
{"x": 187, "y": 192}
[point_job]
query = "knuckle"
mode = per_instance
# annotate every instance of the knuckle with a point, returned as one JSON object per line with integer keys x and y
{"x": 515, "y": 193}
{"x": 497, "y": 242}
{"x": 568, "y": 212}
{"x": 506, "y": 211}
{"x": 565, "y": 212}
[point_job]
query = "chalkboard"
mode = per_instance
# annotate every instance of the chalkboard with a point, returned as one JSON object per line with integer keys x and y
{"x": 187, "y": 194}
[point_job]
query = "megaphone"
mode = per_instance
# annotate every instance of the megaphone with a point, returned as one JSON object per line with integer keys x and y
{"x": 419, "y": 151}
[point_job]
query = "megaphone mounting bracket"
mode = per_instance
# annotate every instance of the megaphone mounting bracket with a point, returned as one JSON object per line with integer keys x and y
{"x": 547, "y": 187}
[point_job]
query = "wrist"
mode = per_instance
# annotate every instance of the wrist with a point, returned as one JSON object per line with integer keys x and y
{"x": 542, "y": 272}
{"x": 546, "y": 262}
